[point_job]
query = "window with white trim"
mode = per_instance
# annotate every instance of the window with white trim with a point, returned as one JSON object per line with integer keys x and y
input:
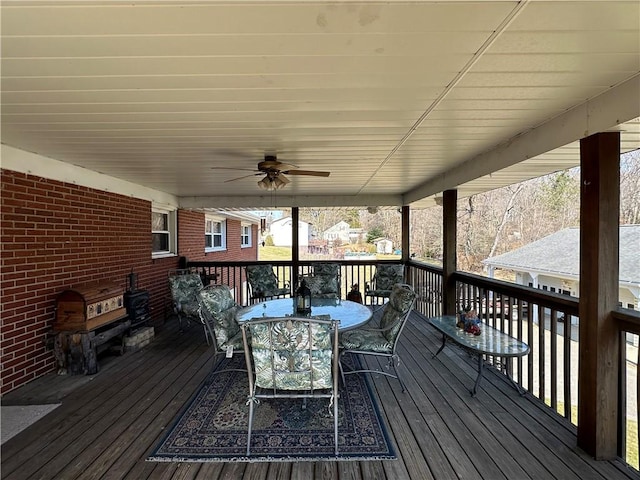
{"x": 215, "y": 234}
{"x": 163, "y": 233}
{"x": 245, "y": 235}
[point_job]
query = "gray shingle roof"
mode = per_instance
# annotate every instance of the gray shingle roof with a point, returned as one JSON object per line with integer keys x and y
{"x": 558, "y": 253}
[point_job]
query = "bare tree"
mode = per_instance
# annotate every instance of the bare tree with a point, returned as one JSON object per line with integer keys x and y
{"x": 505, "y": 216}
{"x": 630, "y": 188}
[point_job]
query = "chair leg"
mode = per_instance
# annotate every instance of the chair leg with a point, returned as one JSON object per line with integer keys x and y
{"x": 335, "y": 422}
{"x": 206, "y": 334}
{"x": 341, "y": 369}
{"x": 183, "y": 321}
{"x": 251, "y": 407}
{"x": 395, "y": 362}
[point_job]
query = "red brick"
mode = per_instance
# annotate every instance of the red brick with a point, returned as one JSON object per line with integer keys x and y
{"x": 56, "y": 235}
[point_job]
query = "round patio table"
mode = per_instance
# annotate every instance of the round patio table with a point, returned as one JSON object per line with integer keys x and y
{"x": 350, "y": 314}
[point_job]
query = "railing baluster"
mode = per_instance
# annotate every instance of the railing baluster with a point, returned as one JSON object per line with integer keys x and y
{"x": 567, "y": 397}
{"x": 541, "y": 355}
{"x": 520, "y": 319}
{"x": 554, "y": 359}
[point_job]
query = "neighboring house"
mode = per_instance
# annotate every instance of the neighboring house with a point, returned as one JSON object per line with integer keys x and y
{"x": 343, "y": 232}
{"x": 552, "y": 263}
{"x": 281, "y": 232}
{"x": 383, "y": 245}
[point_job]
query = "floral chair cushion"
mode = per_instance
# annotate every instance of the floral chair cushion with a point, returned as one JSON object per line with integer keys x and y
{"x": 294, "y": 354}
{"x": 264, "y": 282}
{"x": 323, "y": 286}
{"x": 325, "y": 281}
{"x": 220, "y": 313}
{"x": 184, "y": 292}
{"x": 385, "y": 278}
{"x": 331, "y": 269}
{"x": 383, "y": 339}
{"x": 400, "y": 303}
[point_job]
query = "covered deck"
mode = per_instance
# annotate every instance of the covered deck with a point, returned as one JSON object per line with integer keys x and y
{"x": 108, "y": 423}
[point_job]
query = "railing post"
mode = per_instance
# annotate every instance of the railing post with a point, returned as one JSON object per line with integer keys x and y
{"x": 406, "y": 231}
{"x": 295, "y": 247}
{"x": 449, "y": 251}
{"x": 599, "y": 334}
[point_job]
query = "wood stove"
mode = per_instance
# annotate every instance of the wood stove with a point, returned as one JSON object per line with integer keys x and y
{"x": 136, "y": 302}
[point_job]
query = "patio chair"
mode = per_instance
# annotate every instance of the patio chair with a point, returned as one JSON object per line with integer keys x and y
{"x": 385, "y": 277}
{"x": 184, "y": 286}
{"x": 381, "y": 341}
{"x": 217, "y": 310}
{"x": 264, "y": 284}
{"x": 291, "y": 357}
{"x": 325, "y": 280}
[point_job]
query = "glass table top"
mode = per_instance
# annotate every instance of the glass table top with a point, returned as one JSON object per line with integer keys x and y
{"x": 490, "y": 341}
{"x": 350, "y": 314}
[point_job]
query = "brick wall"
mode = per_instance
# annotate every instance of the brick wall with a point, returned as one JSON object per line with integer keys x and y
{"x": 191, "y": 234}
{"x": 56, "y": 235}
{"x": 191, "y": 242}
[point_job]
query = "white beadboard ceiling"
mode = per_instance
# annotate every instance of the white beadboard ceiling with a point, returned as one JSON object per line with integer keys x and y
{"x": 398, "y": 100}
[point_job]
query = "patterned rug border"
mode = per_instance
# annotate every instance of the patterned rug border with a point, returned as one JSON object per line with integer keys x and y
{"x": 256, "y": 458}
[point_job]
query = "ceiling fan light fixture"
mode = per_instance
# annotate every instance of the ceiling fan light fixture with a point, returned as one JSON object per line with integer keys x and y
{"x": 284, "y": 179}
{"x": 271, "y": 183}
{"x": 264, "y": 184}
{"x": 277, "y": 184}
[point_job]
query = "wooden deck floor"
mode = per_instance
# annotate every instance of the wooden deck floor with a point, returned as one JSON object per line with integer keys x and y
{"x": 108, "y": 423}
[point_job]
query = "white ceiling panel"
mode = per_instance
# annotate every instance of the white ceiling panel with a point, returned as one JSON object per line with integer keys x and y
{"x": 398, "y": 100}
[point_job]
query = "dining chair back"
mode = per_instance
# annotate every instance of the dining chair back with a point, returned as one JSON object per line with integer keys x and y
{"x": 291, "y": 357}
{"x": 324, "y": 282}
{"x": 218, "y": 309}
{"x": 264, "y": 283}
{"x": 184, "y": 286}
{"x": 382, "y": 341}
{"x": 384, "y": 278}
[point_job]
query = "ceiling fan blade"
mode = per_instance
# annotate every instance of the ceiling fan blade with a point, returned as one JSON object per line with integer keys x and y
{"x": 312, "y": 173}
{"x": 238, "y": 169}
{"x": 240, "y": 178}
{"x": 275, "y": 165}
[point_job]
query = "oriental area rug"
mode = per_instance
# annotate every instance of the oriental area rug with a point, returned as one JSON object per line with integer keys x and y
{"x": 213, "y": 425}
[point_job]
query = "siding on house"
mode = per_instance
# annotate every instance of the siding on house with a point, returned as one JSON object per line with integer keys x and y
{"x": 343, "y": 232}
{"x": 554, "y": 262}
{"x": 56, "y": 235}
{"x": 281, "y": 232}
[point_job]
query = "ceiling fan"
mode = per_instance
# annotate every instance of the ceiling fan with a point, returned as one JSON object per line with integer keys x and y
{"x": 273, "y": 171}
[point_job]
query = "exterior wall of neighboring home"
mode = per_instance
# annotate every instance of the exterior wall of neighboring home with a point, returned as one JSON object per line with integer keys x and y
{"x": 281, "y": 232}
{"x": 549, "y": 283}
{"x": 344, "y": 233}
{"x": 552, "y": 263}
{"x": 629, "y": 298}
{"x": 56, "y": 235}
{"x": 339, "y": 231}
{"x": 384, "y": 246}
